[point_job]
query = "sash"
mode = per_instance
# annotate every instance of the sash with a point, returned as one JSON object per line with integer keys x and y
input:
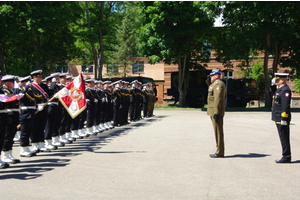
{"x": 40, "y": 89}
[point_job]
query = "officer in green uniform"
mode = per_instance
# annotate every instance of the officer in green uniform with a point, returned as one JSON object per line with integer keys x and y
{"x": 216, "y": 109}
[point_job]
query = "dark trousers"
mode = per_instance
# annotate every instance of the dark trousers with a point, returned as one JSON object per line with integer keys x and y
{"x": 82, "y": 118}
{"x": 50, "y": 124}
{"x": 3, "y": 124}
{"x": 103, "y": 110}
{"x": 97, "y": 114}
{"x": 117, "y": 115}
{"x": 145, "y": 108}
{"x": 90, "y": 116}
{"x": 40, "y": 120}
{"x": 26, "y": 129}
{"x": 63, "y": 122}
{"x": 68, "y": 122}
{"x": 110, "y": 112}
{"x": 75, "y": 123}
{"x": 284, "y": 135}
{"x": 132, "y": 111}
{"x": 57, "y": 120}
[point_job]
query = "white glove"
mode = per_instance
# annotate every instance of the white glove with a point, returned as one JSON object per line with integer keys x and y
{"x": 87, "y": 100}
{"x": 53, "y": 80}
{"x": 16, "y": 85}
{"x": 40, "y": 108}
{"x": 96, "y": 100}
{"x": 273, "y": 81}
{"x": 55, "y": 96}
{"x": 106, "y": 99}
{"x": 103, "y": 100}
{"x": 28, "y": 83}
{"x": 283, "y": 123}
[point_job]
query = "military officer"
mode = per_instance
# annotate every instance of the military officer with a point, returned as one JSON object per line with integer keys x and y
{"x": 12, "y": 120}
{"x": 216, "y": 109}
{"x": 3, "y": 124}
{"x": 117, "y": 103}
{"x": 91, "y": 102}
{"x": 28, "y": 108}
{"x": 145, "y": 99}
{"x": 282, "y": 116}
{"x": 41, "y": 94}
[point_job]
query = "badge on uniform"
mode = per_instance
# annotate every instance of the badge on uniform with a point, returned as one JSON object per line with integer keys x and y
{"x": 218, "y": 88}
{"x": 287, "y": 94}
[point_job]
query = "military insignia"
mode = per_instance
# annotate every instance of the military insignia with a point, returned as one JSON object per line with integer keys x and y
{"x": 63, "y": 92}
{"x": 287, "y": 94}
{"x": 75, "y": 94}
{"x": 74, "y": 107}
{"x": 218, "y": 88}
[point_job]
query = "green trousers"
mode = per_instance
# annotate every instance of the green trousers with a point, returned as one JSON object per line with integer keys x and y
{"x": 219, "y": 135}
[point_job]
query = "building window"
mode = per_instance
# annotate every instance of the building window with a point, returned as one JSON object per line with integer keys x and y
{"x": 112, "y": 68}
{"x": 87, "y": 68}
{"x": 228, "y": 74}
{"x": 61, "y": 68}
{"x": 206, "y": 49}
{"x": 138, "y": 67}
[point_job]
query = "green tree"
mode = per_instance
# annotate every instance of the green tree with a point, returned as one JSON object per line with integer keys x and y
{"x": 127, "y": 49}
{"x": 177, "y": 33}
{"x": 265, "y": 26}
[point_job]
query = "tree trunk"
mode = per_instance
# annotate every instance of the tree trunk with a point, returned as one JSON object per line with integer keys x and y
{"x": 101, "y": 42}
{"x": 2, "y": 65}
{"x": 268, "y": 102}
{"x": 181, "y": 78}
{"x": 92, "y": 42}
{"x": 276, "y": 58}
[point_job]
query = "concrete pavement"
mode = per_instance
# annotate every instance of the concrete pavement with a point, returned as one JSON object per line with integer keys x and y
{"x": 164, "y": 157}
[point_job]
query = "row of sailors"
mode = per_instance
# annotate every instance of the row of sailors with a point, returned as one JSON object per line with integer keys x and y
{"x": 47, "y": 123}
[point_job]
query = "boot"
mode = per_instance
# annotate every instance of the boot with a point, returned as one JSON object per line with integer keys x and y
{"x": 68, "y": 137}
{"x": 56, "y": 142}
{"x": 63, "y": 139}
{"x": 3, "y": 165}
{"x": 74, "y": 134}
{"x": 49, "y": 145}
{"x": 94, "y": 130}
{"x": 13, "y": 158}
{"x": 81, "y": 133}
{"x": 102, "y": 127}
{"x": 89, "y": 131}
{"x": 35, "y": 148}
{"x": 106, "y": 126}
{"x": 17, "y": 136}
{"x": 110, "y": 125}
{"x": 25, "y": 152}
{"x": 42, "y": 147}
{"x": 5, "y": 158}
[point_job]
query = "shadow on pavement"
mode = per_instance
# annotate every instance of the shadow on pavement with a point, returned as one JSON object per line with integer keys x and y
{"x": 31, "y": 169}
{"x": 37, "y": 167}
{"x": 250, "y": 155}
{"x": 113, "y": 152}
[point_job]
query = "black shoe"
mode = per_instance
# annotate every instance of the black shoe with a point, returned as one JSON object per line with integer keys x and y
{"x": 283, "y": 160}
{"x": 216, "y": 156}
{"x": 4, "y": 165}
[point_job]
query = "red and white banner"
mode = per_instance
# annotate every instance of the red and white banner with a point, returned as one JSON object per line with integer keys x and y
{"x": 73, "y": 97}
{"x": 15, "y": 97}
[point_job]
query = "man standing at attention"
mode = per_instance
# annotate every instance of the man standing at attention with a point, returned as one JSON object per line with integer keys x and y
{"x": 282, "y": 116}
{"x": 216, "y": 109}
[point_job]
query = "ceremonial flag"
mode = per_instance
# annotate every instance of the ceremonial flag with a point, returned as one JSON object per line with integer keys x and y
{"x": 73, "y": 97}
{"x": 7, "y": 99}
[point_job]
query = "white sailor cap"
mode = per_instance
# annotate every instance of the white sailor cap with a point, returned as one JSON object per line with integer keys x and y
{"x": 48, "y": 77}
{"x": 54, "y": 74}
{"x": 10, "y": 78}
{"x": 37, "y": 73}
{"x": 281, "y": 75}
{"x": 26, "y": 78}
{"x": 90, "y": 80}
{"x": 69, "y": 77}
{"x": 107, "y": 82}
{"x": 63, "y": 75}
{"x": 133, "y": 82}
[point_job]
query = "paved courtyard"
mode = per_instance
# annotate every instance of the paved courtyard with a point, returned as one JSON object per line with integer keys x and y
{"x": 164, "y": 157}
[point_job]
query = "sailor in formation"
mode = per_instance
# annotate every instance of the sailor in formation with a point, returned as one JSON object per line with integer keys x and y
{"x": 40, "y": 121}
